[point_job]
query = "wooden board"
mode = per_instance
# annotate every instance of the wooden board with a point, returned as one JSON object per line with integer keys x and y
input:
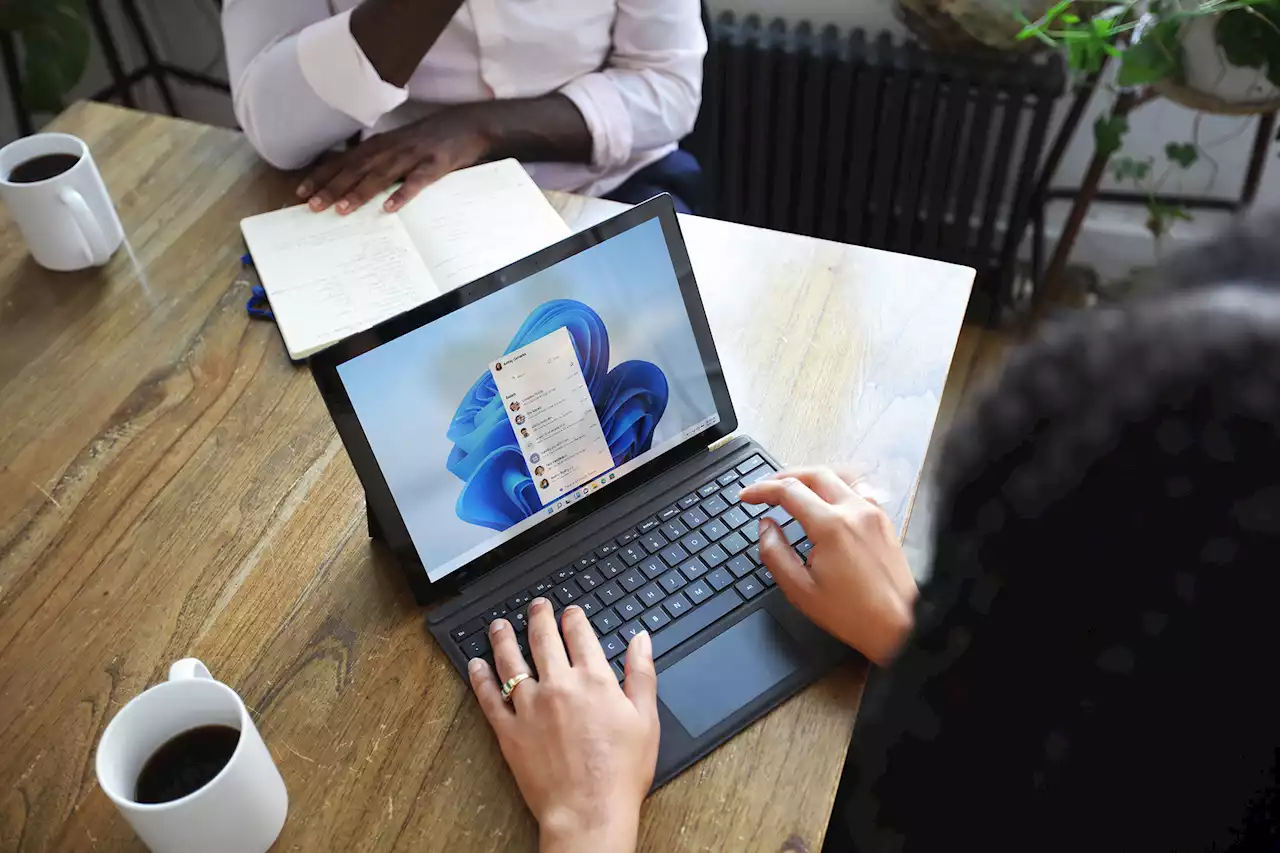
{"x": 170, "y": 486}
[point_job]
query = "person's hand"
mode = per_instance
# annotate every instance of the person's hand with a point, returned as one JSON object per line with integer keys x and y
{"x": 418, "y": 154}
{"x": 856, "y": 585}
{"x": 582, "y": 748}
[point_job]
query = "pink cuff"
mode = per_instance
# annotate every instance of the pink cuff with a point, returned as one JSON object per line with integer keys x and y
{"x": 607, "y": 117}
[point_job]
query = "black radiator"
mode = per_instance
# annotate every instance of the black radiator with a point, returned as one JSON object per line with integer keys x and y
{"x": 876, "y": 142}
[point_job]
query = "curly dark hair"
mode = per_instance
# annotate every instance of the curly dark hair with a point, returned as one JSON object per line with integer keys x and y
{"x": 1095, "y": 658}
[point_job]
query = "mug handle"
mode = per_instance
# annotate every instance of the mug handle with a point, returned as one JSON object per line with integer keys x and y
{"x": 189, "y": 668}
{"x": 99, "y": 253}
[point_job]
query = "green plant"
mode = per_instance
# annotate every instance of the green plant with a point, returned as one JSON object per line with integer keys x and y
{"x": 1143, "y": 36}
{"x": 53, "y": 38}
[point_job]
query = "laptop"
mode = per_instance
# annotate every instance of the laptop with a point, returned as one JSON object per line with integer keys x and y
{"x": 561, "y": 428}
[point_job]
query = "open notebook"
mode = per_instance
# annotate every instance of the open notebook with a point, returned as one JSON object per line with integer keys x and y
{"x": 329, "y": 276}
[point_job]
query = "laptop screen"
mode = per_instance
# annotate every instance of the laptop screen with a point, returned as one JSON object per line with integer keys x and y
{"x": 492, "y": 418}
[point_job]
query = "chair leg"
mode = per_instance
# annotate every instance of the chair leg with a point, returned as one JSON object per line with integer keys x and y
{"x": 119, "y": 80}
{"x": 13, "y": 75}
{"x": 154, "y": 67}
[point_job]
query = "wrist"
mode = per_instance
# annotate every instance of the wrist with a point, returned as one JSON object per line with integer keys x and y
{"x": 610, "y": 831}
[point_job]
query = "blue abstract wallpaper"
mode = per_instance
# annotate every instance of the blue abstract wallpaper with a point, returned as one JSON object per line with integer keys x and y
{"x": 629, "y": 399}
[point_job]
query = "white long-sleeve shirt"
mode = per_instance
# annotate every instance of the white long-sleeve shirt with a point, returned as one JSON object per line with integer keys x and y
{"x": 301, "y": 84}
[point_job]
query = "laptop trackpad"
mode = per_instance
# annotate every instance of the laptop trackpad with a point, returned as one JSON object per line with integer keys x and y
{"x": 728, "y": 672}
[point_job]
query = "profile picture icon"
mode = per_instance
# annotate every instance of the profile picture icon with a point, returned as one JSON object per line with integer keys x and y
{"x": 519, "y": 419}
{"x": 524, "y": 433}
{"x": 539, "y": 471}
{"x": 498, "y": 366}
{"x": 544, "y": 484}
{"x": 515, "y": 406}
{"x": 535, "y": 458}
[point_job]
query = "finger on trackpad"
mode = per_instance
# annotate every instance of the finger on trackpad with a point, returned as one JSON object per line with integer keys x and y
{"x": 728, "y": 672}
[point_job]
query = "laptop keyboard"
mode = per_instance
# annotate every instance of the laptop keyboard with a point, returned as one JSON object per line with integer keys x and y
{"x": 673, "y": 573}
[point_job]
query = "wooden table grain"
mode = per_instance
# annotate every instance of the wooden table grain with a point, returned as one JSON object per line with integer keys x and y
{"x": 170, "y": 486}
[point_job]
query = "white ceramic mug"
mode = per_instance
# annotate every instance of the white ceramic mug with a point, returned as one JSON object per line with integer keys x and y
{"x": 242, "y": 810}
{"x": 68, "y": 220}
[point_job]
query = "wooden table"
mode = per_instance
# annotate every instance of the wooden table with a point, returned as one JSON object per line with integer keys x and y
{"x": 170, "y": 485}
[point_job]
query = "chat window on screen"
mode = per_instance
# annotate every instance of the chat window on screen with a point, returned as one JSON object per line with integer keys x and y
{"x": 546, "y": 399}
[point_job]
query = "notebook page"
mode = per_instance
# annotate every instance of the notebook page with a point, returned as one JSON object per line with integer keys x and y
{"x": 472, "y": 222}
{"x": 329, "y": 276}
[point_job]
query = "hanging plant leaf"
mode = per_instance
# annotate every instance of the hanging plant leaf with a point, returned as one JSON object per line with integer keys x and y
{"x": 1182, "y": 153}
{"x": 55, "y": 46}
{"x": 1250, "y": 38}
{"x": 1156, "y": 56}
{"x": 1108, "y": 134}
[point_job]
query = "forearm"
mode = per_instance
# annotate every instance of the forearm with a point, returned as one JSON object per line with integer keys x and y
{"x": 545, "y": 129}
{"x": 396, "y": 34}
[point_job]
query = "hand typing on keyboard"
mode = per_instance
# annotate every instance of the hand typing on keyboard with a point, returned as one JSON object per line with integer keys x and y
{"x": 582, "y": 748}
{"x": 855, "y": 583}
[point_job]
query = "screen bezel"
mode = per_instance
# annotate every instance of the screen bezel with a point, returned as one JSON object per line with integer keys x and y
{"x": 381, "y": 503}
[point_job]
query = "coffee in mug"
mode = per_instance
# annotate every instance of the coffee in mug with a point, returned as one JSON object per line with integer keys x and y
{"x": 184, "y": 764}
{"x": 54, "y": 192}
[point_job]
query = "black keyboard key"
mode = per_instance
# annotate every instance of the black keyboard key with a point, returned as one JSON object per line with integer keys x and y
{"x": 495, "y": 612}
{"x": 754, "y": 510}
{"x": 698, "y": 592}
{"x": 584, "y": 562}
{"x": 714, "y": 556}
{"x": 618, "y": 671}
{"x": 804, "y": 546}
{"x": 652, "y": 567}
{"x": 749, "y": 587}
{"x": 673, "y": 530}
{"x": 741, "y": 566}
{"x": 677, "y": 604}
{"x": 694, "y": 621}
{"x": 631, "y": 579}
{"x": 668, "y": 513}
{"x": 694, "y": 518}
{"x": 653, "y": 542}
{"x": 515, "y": 602}
{"x": 606, "y": 622}
{"x": 720, "y": 578}
{"x": 794, "y": 532}
{"x": 476, "y": 645}
{"x": 588, "y": 580}
{"x": 708, "y": 489}
{"x": 693, "y": 568}
{"x": 646, "y": 526}
{"x": 466, "y": 629}
{"x": 628, "y": 537}
{"x": 687, "y": 501}
{"x": 610, "y": 566}
{"x": 567, "y": 572}
{"x": 734, "y": 543}
{"x": 713, "y": 506}
{"x": 590, "y": 605}
{"x": 727, "y": 477}
{"x": 612, "y": 645}
{"x": 567, "y": 593}
{"x": 694, "y": 542}
{"x": 674, "y": 555}
{"x": 731, "y": 493}
{"x": 542, "y": 587}
{"x": 756, "y": 476}
{"x": 735, "y": 517}
{"x": 751, "y": 530}
{"x": 714, "y": 530}
{"x": 655, "y": 619}
{"x": 609, "y": 592}
{"x": 628, "y": 631}
{"x": 754, "y": 462}
{"x": 778, "y": 514}
{"x": 672, "y": 581}
{"x": 754, "y": 553}
{"x": 628, "y": 608}
{"x": 651, "y": 595}
{"x": 606, "y": 549}
{"x": 766, "y": 577}
{"x": 632, "y": 554}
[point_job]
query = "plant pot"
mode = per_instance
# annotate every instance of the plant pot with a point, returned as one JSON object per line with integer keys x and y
{"x": 1207, "y": 71}
{"x": 979, "y": 27}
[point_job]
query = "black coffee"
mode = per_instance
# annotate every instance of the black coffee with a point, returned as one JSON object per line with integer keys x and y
{"x": 42, "y": 168}
{"x": 186, "y": 763}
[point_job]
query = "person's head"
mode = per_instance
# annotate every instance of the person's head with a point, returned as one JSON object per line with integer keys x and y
{"x": 537, "y": 472}
{"x": 1093, "y": 657}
